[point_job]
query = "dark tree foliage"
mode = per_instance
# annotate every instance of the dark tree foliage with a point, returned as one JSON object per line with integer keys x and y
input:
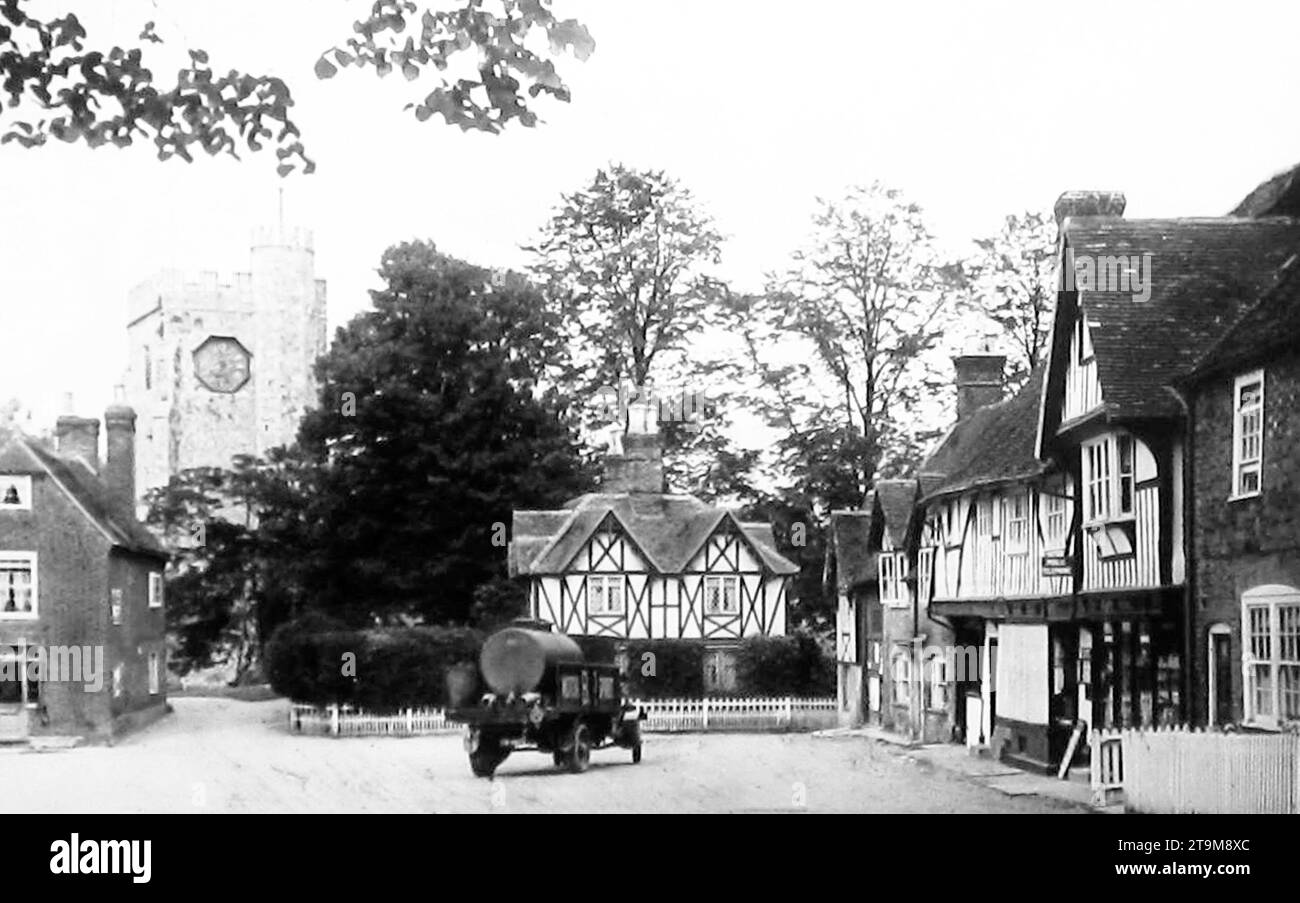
{"x": 430, "y": 430}
{"x": 86, "y": 92}
{"x": 793, "y": 665}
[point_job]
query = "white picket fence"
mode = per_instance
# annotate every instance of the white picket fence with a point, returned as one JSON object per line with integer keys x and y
{"x": 728, "y": 713}
{"x": 662, "y": 716}
{"x": 1184, "y": 770}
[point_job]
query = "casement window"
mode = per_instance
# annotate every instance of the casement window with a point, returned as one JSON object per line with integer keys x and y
{"x": 155, "y": 589}
{"x": 1097, "y": 479}
{"x": 1108, "y": 477}
{"x": 1247, "y": 434}
{"x": 155, "y": 673}
{"x": 15, "y": 492}
{"x": 722, "y": 595}
{"x": 937, "y": 691}
{"x": 18, "y": 590}
{"x": 1271, "y": 655}
{"x": 891, "y": 578}
{"x": 115, "y": 605}
{"x": 1055, "y": 521}
{"x": 924, "y": 575}
{"x": 21, "y": 669}
{"x": 952, "y": 523}
{"x": 1017, "y": 522}
{"x": 986, "y": 520}
{"x": 902, "y": 664}
{"x": 605, "y": 594}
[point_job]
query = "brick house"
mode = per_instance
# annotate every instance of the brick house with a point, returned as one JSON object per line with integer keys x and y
{"x": 1244, "y": 401}
{"x": 82, "y": 628}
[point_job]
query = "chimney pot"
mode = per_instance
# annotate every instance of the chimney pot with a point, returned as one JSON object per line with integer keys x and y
{"x": 1089, "y": 203}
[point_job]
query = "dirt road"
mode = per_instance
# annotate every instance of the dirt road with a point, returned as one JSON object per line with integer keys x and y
{"x": 217, "y": 755}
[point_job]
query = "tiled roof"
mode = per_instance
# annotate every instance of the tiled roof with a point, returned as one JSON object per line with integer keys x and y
{"x": 1268, "y": 325}
{"x": 995, "y": 444}
{"x": 668, "y": 529}
{"x": 851, "y": 542}
{"x": 86, "y": 489}
{"x": 1279, "y": 196}
{"x": 1204, "y": 272}
{"x": 897, "y": 499}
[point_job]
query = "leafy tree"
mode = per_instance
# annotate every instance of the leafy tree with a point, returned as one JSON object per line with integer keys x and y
{"x": 15, "y": 420}
{"x": 1012, "y": 279}
{"x": 431, "y": 428}
{"x": 86, "y": 92}
{"x": 625, "y": 261}
{"x": 840, "y": 350}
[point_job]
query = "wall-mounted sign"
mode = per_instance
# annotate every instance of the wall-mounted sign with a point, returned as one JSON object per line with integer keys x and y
{"x": 1057, "y": 566}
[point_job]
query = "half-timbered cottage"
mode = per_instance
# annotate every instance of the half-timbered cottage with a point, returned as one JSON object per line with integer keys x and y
{"x": 1244, "y": 403}
{"x": 1139, "y": 302}
{"x": 634, "y": 561}
{"x": 995, "y": 540}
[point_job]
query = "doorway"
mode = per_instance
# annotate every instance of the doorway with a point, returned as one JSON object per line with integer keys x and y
{"x": 1220, "y": 671}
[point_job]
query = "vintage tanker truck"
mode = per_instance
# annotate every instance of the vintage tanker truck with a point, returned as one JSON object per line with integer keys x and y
{"x": 544, "y": 695}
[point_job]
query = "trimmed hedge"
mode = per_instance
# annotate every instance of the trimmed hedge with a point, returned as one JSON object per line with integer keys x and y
{"x": 312, "y": 660}
{"x": 794, "y": 665}
{"x": 665, "y": 669}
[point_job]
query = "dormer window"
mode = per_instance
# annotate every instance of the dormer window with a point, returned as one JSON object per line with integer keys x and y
{"x": 15, "y": 492}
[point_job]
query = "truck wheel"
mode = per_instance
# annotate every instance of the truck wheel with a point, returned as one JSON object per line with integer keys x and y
{"x": 636, "y": 753}
{"x": 580, "y": 752}
{"x": 482, "y": 764}
{"x": 558, "y": 758}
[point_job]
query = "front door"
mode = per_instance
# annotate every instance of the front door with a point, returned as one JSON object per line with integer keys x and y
{"x": 1221, "y": 688}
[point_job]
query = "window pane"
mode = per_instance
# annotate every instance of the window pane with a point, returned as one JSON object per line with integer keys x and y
{"x": 15, "y": 586}
{"x": 1263, "y": 684}
{"x": 1289, "y": 691}
{"x": 614, "y": 595}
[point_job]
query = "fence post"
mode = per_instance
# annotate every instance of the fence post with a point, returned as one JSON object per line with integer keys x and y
{"x": 410, "y": 727}
{"x": 706, "y": 713}
{"x": 334, "y": 719}
{"x": 789, "y": 713}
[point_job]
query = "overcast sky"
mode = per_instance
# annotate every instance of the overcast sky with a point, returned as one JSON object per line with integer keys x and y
{"x": 975, "y": 110}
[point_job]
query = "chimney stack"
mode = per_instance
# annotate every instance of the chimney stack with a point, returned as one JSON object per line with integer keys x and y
{"x": 78, "y": 437}
{"x": 640, "y": 467}
{"x": 980, "y": 380}
{"x": 119, "y": 453}
{"x": 1089, "y": 203}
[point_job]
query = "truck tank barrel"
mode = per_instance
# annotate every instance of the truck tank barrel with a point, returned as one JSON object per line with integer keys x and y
{"x": 515, "y": 659}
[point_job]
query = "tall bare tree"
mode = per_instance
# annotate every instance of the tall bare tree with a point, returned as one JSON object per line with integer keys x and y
{"x": 1011, "y": 279}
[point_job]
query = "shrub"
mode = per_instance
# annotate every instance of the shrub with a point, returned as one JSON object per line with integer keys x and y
{"x": 662, "y": 669}
{"x": 378, "y": 670}
{"x": 794, "y": 665}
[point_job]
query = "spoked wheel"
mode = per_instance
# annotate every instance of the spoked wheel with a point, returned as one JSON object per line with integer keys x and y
{"x": 580, "y": 749}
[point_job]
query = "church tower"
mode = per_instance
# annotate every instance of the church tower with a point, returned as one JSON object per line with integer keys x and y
{"x": 220, "y": 367}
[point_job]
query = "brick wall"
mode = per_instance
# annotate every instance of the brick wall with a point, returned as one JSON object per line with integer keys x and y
{"x": 1248, "y": 542}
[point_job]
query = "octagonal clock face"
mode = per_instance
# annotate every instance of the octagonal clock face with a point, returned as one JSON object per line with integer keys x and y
{"x": 222, "y": 364}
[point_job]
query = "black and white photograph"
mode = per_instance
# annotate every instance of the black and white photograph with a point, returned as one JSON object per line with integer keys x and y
{"x": 691, "y": 407}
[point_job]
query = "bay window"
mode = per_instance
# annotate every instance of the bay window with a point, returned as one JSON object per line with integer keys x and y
{"x": 1271, "y": 655}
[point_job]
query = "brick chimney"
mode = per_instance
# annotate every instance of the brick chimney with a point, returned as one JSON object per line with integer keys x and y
{"x": 980, "y": 380}
{"x": 119, "y": 453}
{"x": 640, "y": 466}
{"x": 78, "y": 437}
{"x": 1089, "y": 203}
